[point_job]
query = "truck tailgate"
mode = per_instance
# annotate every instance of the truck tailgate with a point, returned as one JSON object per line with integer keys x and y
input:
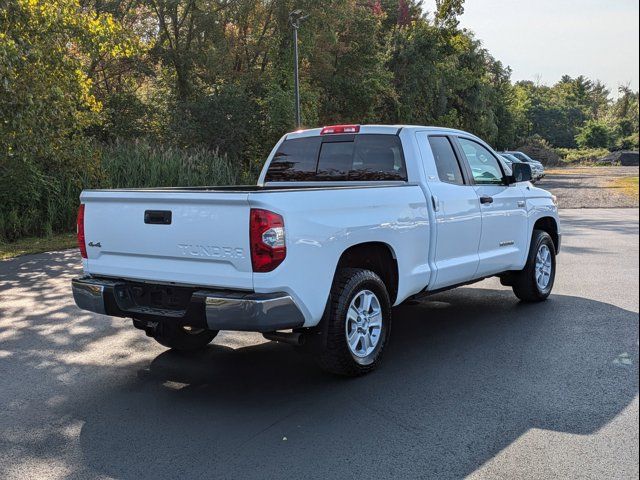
{"x": 184, "y": 237}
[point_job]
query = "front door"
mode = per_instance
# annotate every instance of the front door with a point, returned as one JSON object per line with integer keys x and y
{"x": 504, "y": 240}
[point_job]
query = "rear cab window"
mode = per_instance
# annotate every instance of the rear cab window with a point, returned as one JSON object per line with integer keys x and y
{"x": 295, "y": 160}
{"x": 341, "y": 157}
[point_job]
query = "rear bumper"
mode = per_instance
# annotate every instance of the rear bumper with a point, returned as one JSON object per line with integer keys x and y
{"x": 211, "y": 309}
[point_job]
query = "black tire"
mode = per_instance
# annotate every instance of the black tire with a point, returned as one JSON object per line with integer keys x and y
{"x": 337, "y": 357}
{"x": 524, "y": 282}
{"x": 175, "y": 336}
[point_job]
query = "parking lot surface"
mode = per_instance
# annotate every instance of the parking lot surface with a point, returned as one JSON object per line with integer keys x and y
{"x": 474, "y": 384}
{"x": 591, "y": 187}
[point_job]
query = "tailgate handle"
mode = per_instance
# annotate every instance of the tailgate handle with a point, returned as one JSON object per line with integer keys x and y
{"x": 157, "y": 217}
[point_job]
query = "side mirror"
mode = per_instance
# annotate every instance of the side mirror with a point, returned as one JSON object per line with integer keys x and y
{"x": 521, "y": 172}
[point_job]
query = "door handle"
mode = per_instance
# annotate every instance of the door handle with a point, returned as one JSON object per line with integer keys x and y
{"x": 157, "y": 217}
{"x": 486, "y": 200}
{"x": 436, "y": 203}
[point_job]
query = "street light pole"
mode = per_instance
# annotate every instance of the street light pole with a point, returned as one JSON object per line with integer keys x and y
{"x": 296, "y": 80}
{"x": 296, "y": 18}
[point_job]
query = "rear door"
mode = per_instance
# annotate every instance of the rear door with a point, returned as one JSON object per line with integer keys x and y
{"x": 504, "y": 216}
{"x": 457, "y": 211}
{"x": 183, "y": 237}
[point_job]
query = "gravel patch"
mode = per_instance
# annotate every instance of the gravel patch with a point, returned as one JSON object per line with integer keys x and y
{"x": 590, "y": 187}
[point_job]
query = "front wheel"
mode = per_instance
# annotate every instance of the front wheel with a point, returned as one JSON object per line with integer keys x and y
{"x": 358, "y": 320}
{"x": 535, "y": 282}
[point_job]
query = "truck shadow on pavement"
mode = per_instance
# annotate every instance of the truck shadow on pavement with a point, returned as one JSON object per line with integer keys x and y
{"x": 466, "y": 374}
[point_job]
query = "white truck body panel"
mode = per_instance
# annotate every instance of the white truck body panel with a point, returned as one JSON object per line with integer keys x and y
{"x": 505, "y": 237}
{"x": 439, "y": 234}
{"x": 322, "y": 225}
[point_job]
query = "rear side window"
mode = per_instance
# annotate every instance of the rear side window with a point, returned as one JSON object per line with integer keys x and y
{"x": 339, "y": 158}
{"x": 446, "y": 161}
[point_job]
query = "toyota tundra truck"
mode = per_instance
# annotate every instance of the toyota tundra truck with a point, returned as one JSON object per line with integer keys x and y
{"x": 344, "y": 223}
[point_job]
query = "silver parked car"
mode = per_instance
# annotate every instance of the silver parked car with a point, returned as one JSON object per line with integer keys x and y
{"x": 509, "y": 160}
{"x": 537, "y": 169}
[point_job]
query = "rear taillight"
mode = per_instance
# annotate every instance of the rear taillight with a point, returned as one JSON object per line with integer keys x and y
{"x": 266, "y": 234}
{"x": 80, "y": 231}
{"x": 334, "y": 129}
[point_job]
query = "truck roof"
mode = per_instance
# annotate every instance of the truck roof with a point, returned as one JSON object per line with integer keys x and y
{"x": 377, "y": 129}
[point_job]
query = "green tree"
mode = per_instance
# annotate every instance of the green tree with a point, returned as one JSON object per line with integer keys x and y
{"x": 46, "y": 105}
{"x": 347, "y": 66}
{"x": 448, "y": 12}
{"x": 594, "y": 134}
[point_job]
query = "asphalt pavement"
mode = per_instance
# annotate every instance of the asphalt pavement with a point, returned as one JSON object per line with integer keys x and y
{"x": 473, "y": 384}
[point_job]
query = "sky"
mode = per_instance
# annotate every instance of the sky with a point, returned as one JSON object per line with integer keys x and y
{"x": 541, "y": 40}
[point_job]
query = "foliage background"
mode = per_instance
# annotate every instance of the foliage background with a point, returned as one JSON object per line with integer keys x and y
{"x": 132, "y": 93}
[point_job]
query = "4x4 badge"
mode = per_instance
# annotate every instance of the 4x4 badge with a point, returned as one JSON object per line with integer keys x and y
{"x": 97, "y": 245}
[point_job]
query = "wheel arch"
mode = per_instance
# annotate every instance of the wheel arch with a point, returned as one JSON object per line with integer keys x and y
{"x": 379, "y": 257}
{"x": 549, "y": 225}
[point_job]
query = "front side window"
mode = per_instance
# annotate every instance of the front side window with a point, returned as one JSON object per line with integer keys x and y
{"x": 484, "y": 166}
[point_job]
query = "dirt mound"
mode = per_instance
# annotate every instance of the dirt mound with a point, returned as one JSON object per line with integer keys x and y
{"x": 624, "y": 159}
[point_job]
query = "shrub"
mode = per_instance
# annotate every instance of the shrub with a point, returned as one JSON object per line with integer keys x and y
{"x": 586, "y": 156}
{"x": 39, "y": 195}
{"x": 540, "y": 149}
{"x": 628, "y": 143}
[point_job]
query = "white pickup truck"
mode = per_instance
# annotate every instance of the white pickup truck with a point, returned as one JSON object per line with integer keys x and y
{"x": 344, "y": 223}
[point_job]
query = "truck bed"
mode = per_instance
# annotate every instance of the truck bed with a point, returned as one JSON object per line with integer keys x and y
{"x": 272, "y": 187}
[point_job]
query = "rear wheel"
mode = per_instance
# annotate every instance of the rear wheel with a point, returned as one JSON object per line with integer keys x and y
{"x": 183, "y": 338}
{"x": 358, "y": 323}
{"x": 535, "y": 282}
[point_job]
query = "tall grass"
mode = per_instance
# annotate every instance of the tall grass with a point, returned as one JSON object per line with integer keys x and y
{"x": 141, "y": 164}
{"x": 42, "y": 199}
